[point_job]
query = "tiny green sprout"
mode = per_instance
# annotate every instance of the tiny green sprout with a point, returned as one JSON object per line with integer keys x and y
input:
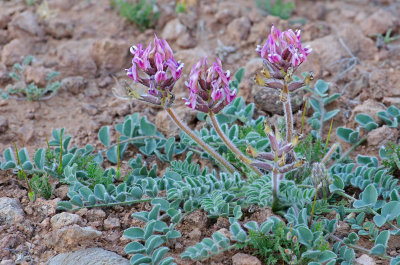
{"x": 31, "y": 194}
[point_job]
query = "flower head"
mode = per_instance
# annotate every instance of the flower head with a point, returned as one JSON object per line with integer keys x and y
{"x": 209, "y": 87}
{"x": 155, "y": 68}
{"x": 283, "y": 50}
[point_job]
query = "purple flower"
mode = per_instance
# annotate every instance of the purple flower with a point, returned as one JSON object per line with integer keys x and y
{"x": 209, "y": 87}
{"x": 155, "y": 68}
{"x": 283, "y": 50}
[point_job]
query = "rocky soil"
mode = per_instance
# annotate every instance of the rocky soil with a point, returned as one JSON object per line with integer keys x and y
{"x": 88, "y": 43}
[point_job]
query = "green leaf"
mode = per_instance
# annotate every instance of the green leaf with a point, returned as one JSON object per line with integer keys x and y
{"x": 23, "y": 155}
{"x": 368, "y": 197}
{"x": 153, "y": 242}
{"x": 167, "y": 261}
{"x": 239, "y": 75}
{"x": 378, "y": 250}
{"x": 14, "y": 76}
{"x": 112, "y": 154}
{"x": 28, "y": 60}
{"x": 379, "y": 220}
{"x": 238, "y": 233}
{"x": 39, "y": 158}
{"x": 173, "y": 234}
{"x": 8, "y": 155}
{"x": 382, "y": 238}
{"x": 321, "y": 87}
{"x": 158, "y": 254}
{"x": 252, "y": 225}
{"x": 344, "y": 133}
{"x": 100, "y": 191}
{"x": 337, "y": 183}
{"x": 315, "y": 104}
{"x": 305, "y": 236}
{"x": 134, "y": 233}
{"x": 153, "y": 214}
{"x": 27, "y": 165}
{"x": 330, "y": 99}
{"x": 330, "y": 114}
{"x": 104, "y": 135}
{"x": 64, "y": 206}
{"x": 134, "y": 247}
{"x": 237, "y": 212}
{"x": 147, "y": 128}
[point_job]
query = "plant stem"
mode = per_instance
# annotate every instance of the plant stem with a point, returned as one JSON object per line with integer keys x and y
{"x": 114, "y": 204}
{"x": 351, "y": 149}
{"x": 357, "y": 247}
{"x": 275, "y": 188}
{"x": 231, "y": 146}
{"x": 367, "y": 207}
{"x": 30, "y": 191}
{"x": 288, "y": 118}
{"x": 313, "y": 207}
{"x": 199, "y": 141}
{"x": 329, "y": 136}
{"x": 330, "y": 153}
{"x": 133, "y": 139}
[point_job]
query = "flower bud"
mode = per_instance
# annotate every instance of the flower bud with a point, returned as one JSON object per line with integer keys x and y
{"x": 156, "y": 69}
{"x": 209, "y": 87}
{"x": 283, "y": 50}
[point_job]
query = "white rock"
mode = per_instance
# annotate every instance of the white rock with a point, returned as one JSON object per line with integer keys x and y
{"x": 365, "y": 260}
{"x": 111, "y": 222}
{"x": 10, "y": 209}
{"x": 25, "y": 25}
{"x": 72, "y": 236}
{"x": 244, "y": 259}
{"x": 64, "y": 219}
{"x": 173, "y": 29}
{"x": 89, "y": 256}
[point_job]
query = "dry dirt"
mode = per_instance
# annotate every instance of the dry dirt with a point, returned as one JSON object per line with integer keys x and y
{"x": 88, "y": 40}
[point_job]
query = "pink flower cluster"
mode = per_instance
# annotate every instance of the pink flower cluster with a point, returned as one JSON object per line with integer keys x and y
{"x": 209, "y": 87}
{"x": 284, "y": 49}
{"x": 160, "y": 67}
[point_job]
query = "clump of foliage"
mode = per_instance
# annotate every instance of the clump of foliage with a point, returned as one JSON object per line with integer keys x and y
{"x": 254, "y": 163}
{"x": 144, "y": 13}
{"x": 276, "y": 7}
{"x": 41, "y": 186}
{"x": 20, "y": 90}
{"x": 391, "y": 158}
{"x": 382, "y": 40}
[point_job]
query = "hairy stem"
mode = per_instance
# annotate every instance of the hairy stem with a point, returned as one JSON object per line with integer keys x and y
{"x": 351, "y": 149}
{"x": 287, "y": 106}
{"x": 275, "y": 188}
{"x": 330, "y": 153}
{"x": 231, "y": 146}
{"x": 200, "y": 142}
{"x": 114, "y": 204}
{"x": 368, "y": 251}
{"x": 133, "y": 139}
{"x": 367, "y": 207}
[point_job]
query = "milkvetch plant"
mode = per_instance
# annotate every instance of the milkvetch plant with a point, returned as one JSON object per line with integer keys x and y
{"x": 306, "y": 179}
